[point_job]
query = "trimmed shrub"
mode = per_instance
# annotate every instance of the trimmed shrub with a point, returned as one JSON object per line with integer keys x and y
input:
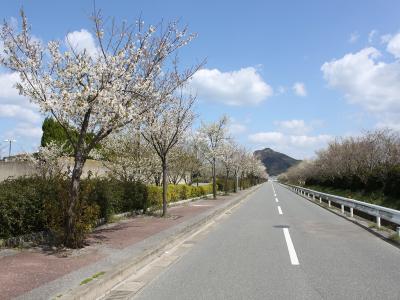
{"x": 34, "y": 204}
{"x": 109, "y": 196}
{"x": 21, "y": 206}
{"x": 154, "y": 196}
{"x": 86, "y": 211}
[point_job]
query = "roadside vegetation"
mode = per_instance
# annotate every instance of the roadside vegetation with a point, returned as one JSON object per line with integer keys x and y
{"x": 365, "y": 168}
{"x": 125, "y": 106}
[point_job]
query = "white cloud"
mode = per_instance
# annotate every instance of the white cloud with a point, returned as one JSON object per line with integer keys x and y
{"x": 366, "y": 81}
{"x": 270, "y": 137}
{"x": 298, "y": 146}
{"x": 26, "y": 130}
{"x": 237, "y": 128}
{"x": 299, "y": 89}
{"x": 354, "y": 37}
{"x": 385, "y": 38}
{"x": 298, "y": 127}
{"x": 12, "y": 104}
{"x": 81, "y": 40}
{"x": 8, "y": 93}
{"x": 372, "y": 35}
{"x": 393, "y": 45}
{"x": 18, "y": 112}
{"x": 242, "y": 87}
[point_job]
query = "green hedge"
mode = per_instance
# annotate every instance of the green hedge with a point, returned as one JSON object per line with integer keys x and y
{"x": 21, "y": 206}
{"x": 33, "y": 204}
{"x": 244, "y": 183}
{"x": 176, "y": 193}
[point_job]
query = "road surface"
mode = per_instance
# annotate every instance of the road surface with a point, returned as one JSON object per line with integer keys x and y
{"x": 282, "y": 247}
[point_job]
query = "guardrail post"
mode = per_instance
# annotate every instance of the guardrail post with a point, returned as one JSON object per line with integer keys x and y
{"x": 378, "y": 221}
{"x": 398, "y": 231}
{"x": 351, "y": 212}
{"x": 320, "y": 199}
{"x": 313, "y": 197}
{"x": 329, "y": 203}
{"x": 342, "y": 208}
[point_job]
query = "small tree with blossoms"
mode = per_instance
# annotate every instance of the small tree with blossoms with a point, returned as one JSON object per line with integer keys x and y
{"x": 238, "y": 165}
{"x": 210, "y": 140}
{"x": 164, "y": 129}
{"x": 95, "y": 94}
{"x": 128, "y": 157}
{"x": 227, "y": 158}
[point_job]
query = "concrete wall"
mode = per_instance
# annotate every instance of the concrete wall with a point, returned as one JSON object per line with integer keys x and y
{"x": 13, "y": 169}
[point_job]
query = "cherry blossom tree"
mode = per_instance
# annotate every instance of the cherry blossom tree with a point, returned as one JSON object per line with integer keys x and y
{"x": 211, "y": 139}
{"x": 239, "y": 158}
{"x": 128, "y": 157}
{"x": 98, "y": 93}
{"x": 165, "y": 128}
{"x": 227, "y": 159}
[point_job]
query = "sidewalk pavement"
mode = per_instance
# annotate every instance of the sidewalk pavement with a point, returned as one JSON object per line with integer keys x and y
{"x": 39, "y": 274}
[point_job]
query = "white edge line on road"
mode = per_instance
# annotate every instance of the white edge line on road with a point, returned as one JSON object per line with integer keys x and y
{"x": 292, "y": 253}
{"x": 280, "y": 210}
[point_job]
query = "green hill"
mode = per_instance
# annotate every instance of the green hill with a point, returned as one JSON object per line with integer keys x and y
{"x": 275, "y": 162}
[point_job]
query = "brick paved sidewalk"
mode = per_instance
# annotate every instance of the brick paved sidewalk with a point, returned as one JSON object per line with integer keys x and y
{"x": 26, "y": 270}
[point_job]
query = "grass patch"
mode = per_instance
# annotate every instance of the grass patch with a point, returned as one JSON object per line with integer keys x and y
{"x": 87, "y": 280}
{"x": 374, "y": 197}
{"x": 97, "y": 275}
{"x": 382, "y": 228}
{"x": 115, "y": 218}
{"x": 395, "y": 238}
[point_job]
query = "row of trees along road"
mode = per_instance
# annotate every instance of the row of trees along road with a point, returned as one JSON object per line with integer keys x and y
{"x": 367, "y": 163}
{"x": 124, "y": 104}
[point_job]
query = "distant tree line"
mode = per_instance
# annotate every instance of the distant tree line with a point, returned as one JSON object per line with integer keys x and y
{"x": 368, "y": 163}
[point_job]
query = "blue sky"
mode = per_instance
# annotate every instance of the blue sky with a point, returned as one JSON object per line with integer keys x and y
{"x": 291, "y": 75}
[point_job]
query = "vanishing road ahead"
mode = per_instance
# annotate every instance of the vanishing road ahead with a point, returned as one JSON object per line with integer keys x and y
{"x": 282, "y": 247}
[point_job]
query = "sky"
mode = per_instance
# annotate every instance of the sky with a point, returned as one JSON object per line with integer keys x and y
{"x": 291, "y": 75}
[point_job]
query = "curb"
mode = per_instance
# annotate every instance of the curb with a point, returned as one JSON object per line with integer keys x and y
{"x": 98, "y": 288}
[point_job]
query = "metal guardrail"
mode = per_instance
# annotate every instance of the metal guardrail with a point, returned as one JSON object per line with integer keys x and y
{"x": 379, "y": 212}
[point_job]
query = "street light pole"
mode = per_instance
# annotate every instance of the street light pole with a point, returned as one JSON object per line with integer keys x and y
{"x": 10, "y": 141}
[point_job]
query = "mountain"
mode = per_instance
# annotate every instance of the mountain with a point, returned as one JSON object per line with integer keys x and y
{"x": 275, "y": 162}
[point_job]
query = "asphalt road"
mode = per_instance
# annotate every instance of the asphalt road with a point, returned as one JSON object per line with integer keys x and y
{"x": 306, "y": 252}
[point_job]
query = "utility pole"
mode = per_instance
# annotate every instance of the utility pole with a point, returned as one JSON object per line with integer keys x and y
{"x": 10, "y": 141}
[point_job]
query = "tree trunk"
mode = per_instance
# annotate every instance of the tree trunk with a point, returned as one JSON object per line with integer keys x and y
{"x": 235, "y": 189}
{"x": 164, "y": 186}
{"x": 70, "y": 228}
{"x": 214, "y": 180}
{"x": 226, "y": 182}
{"x": 157, "y": 180}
